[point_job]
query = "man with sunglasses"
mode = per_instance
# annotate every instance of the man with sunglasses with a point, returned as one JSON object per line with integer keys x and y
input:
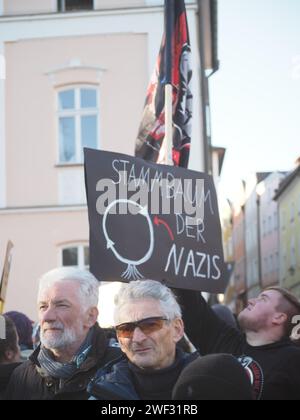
{"x": 149, "y": 326}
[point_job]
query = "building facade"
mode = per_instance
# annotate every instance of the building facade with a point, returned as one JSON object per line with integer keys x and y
{"x": 288, "y": 199}
{"x": 239, "y": 250}
{"x": 269, "y": 229}
{"x": 252, "y": 232}
{"x": 76, "y": 74}
{"x": 227, "y": 231}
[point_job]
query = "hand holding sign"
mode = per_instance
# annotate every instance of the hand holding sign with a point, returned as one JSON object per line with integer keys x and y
{"x": 153, "y": 221}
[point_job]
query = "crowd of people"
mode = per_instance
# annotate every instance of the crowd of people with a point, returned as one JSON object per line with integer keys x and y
{"x": 148, "y": 354}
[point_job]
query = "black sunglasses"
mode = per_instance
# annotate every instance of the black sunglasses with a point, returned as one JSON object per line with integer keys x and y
{"x": 147, "y": 326}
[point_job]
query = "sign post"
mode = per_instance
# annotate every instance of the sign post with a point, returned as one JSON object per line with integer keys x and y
{"x": 5, "y": 275}
{"x": 2, "y": 328}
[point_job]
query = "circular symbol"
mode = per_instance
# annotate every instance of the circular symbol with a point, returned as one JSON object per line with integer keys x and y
{"x": 131, "y": 272}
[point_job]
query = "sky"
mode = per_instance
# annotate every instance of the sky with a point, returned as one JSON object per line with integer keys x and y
{"x": 255, "y": 95}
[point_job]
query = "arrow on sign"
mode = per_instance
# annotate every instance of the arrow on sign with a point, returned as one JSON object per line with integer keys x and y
{"x": 158, "y": 222}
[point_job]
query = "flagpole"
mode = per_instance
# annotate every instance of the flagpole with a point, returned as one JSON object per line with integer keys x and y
{"x": 169, "y": 23}
{"x": 168, "y": 140}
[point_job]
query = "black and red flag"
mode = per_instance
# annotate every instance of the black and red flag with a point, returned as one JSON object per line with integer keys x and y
{"x": 152, "y": 129}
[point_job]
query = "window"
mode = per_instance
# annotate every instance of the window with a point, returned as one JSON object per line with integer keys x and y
{"x": 76, "y": 256}
{"x": 271, "y": 264}
{"x": 275, "y": 220}
{"x": 293, "y": 252}
{"x": 283, "y": 221}
{"x": 284, "y": 265}
{"x": 264, "y": 227}
{"x": 276, "y": 262}
{"x": 255, "y": 271}
{"x": 254, "y": 235}
{"x": 78, "y": 117}
{"x": 69, "y": 5}
{"x": 265, "y": 267}
{"x": 270, "y": 224}
{"x": 249, "y": 269}
{"x": 292, "y": 212}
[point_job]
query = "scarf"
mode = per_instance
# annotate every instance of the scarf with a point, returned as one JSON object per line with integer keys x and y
{"x": 59, "y": 370}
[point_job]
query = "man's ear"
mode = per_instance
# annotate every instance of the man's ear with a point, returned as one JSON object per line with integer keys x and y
{"x": 122, "y": 345}
{"x": 9, "y": 355}
{"x": 92, "y": 316}
{"x": 178, "y": 329}
{"x": 279, "y": 318}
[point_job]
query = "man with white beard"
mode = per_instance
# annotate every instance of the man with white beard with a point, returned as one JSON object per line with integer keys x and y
{"x": 73, "y": 346}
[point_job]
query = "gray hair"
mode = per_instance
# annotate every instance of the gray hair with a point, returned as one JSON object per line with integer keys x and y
{"x": 88, "y": 284}
{"x": 148, "y": 289}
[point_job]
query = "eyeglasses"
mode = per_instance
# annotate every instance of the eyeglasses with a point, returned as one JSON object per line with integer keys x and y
{"x": 147, "y": 326}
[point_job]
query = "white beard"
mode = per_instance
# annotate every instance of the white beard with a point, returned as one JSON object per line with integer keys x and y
{"x": 60, "y": 339}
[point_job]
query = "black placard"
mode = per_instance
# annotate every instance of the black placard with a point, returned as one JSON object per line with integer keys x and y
{"x": 132, "y": 237}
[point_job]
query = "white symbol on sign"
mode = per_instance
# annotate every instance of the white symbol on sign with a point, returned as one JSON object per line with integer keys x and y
{"x": 131, "y": 273}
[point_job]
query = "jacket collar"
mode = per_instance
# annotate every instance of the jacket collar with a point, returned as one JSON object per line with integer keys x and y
{"x": 117, "y": 377}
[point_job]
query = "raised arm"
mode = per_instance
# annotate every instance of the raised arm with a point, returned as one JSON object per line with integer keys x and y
{"x": 204, "y": 328}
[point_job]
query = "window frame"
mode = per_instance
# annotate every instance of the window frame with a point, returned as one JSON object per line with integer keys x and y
{"x": 76, "y": 113}
{"x": 80, "y": 255}
{"x": 61, "y": 7}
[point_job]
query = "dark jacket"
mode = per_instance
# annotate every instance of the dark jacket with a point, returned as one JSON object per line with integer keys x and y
{"x": 5, "y": 374}
{"x": 115, "y": 381}
{"x": 273, "y": 369}
{"x": 27, "y": 382}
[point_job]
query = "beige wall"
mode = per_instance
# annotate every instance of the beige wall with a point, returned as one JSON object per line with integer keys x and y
{"x": 37, "y": 239}
{"x": 20, "y": 7}
{"x": 36, "y": 69}
{"x": 111, "y": 4}
{"x": 31, "y": 155}
{"x": 24, "y": 7}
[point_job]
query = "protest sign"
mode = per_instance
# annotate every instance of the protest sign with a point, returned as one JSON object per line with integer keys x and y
{"x": 150, "y": 221}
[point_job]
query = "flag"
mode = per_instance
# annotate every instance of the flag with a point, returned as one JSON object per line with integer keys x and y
{"x": 152, "y": 128}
